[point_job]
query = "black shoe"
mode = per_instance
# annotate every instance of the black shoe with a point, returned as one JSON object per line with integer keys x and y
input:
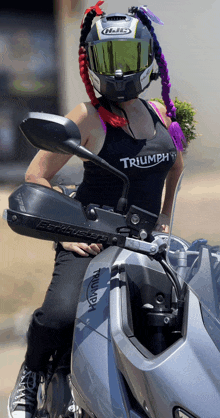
{"x": 22, "y": 402}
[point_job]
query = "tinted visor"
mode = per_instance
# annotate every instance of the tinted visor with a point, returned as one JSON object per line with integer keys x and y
{"x": 129, "y": 56}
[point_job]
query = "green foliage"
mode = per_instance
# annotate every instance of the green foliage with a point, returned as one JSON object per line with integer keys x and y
{"x": 185, "y": 117}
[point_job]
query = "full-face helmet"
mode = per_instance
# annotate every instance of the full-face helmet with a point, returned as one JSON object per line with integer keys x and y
{"x": 120, "y": 56}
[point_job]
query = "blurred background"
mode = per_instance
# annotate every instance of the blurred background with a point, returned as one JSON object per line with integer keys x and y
{"x": 39, "y": 72}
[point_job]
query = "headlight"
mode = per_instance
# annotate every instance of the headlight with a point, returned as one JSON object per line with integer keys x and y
{"x": 180, "y": 413}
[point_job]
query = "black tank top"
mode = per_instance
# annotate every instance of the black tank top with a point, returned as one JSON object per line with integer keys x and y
{"x": 146, "y": 162}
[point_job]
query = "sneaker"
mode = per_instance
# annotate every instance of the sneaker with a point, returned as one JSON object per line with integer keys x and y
{"x": 22, "y": 402}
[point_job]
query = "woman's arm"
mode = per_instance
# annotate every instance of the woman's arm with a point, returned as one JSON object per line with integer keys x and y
{"x": 44, "y": 166}
{"x": 170, "y": 187}
{"x": 171, "y": 183}
{"x": 162, "y": 113}
{"x": 171, "y": 180}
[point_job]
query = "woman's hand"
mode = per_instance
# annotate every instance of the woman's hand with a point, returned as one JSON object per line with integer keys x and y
{"x": 163, "y": 223}
{"x": 82, "y": 248}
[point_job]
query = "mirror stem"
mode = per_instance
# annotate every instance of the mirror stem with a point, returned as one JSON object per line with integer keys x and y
{"x": 86, "y": 154}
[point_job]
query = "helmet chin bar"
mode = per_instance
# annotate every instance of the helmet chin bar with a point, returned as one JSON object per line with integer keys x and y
{"x": 120, "y": 88}
{"x": 119, "y": 76}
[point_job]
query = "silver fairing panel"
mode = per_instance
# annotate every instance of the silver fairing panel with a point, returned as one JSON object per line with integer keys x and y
{"x": 94, "y": 376}
{"x": 180, "y": 376}
{"x": 187, "y": 374}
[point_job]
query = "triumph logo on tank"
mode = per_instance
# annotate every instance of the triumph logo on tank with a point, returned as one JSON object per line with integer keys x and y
{"x": 116, "y": 31}
{"x": 145, "y": 161}
{"x": 92, "y": 295}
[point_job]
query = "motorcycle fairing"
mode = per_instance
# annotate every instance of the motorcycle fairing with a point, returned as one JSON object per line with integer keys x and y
{"x": 167, "y": 377}
{"x": 93, "y": 306}
{"x": 198, "y": 266}
{"x": 104, "y": 357}
{"x": 94, "y": 376}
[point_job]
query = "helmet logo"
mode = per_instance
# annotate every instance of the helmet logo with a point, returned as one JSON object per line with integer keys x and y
{"x": 116, "y": 31}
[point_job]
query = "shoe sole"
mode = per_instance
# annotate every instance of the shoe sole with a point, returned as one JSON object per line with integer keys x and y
{"x": 8, "y": 409}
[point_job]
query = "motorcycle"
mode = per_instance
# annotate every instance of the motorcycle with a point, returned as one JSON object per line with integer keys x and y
{"x": 147, "y": 330}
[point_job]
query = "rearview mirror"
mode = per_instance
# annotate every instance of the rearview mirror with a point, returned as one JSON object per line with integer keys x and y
{"x": 50, "y": 132}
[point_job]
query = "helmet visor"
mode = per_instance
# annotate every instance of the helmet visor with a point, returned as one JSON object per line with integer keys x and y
{"x": 129, "y": 56}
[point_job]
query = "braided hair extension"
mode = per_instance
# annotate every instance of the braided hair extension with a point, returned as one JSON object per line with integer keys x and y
{"x": 105, "y": 115}
{"x": 174, "y": 129}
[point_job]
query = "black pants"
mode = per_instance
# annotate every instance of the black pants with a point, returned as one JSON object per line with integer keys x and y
{"x": 51, "y": 327}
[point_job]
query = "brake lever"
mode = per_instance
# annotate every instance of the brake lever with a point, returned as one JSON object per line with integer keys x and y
{"x": 149, "y": 248}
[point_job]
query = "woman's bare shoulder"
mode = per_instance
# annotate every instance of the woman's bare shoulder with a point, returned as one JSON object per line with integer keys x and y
{"x": 82, "y": 112}
{"x": 85, "y": 117}
{"x": 163, "y": 111}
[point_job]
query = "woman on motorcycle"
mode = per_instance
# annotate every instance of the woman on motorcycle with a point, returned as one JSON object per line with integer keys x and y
{"x": 140, "y": 138}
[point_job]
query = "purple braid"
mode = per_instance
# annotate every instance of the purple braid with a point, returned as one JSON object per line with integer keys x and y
{"x": 162, "y": 64}
{"x": 174, "y": 129}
